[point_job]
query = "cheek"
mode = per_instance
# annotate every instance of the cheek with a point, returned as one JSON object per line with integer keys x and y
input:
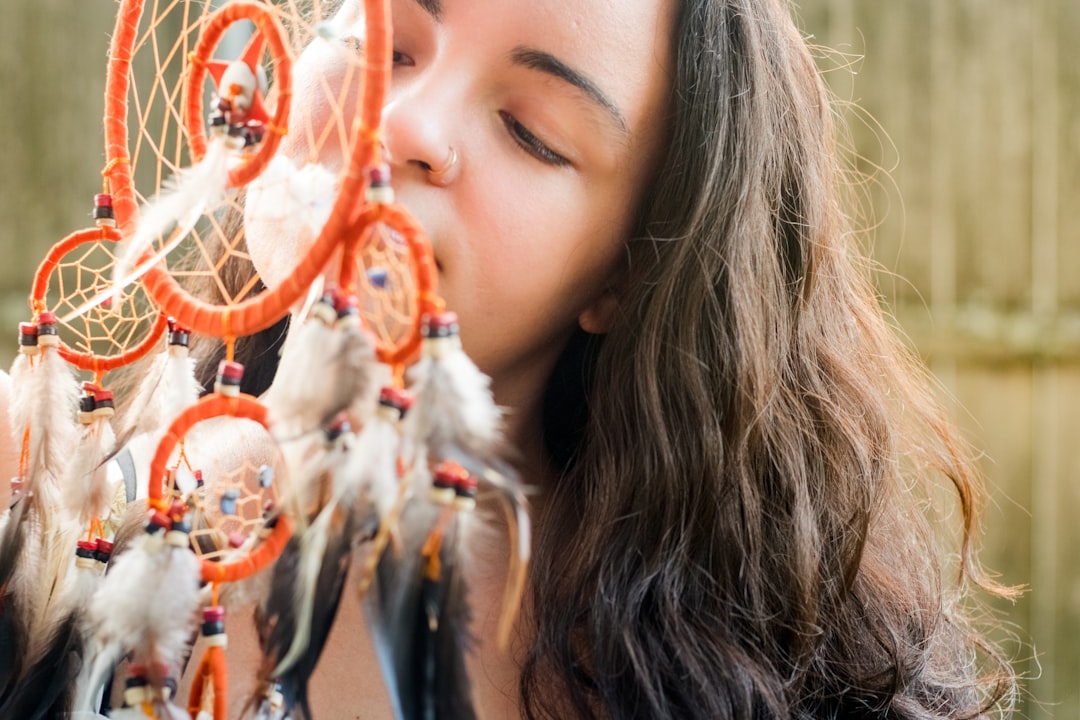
{"x": 326, "y": 98}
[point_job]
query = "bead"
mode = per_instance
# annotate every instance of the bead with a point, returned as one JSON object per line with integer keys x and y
{"x": 85, "y": 549}
{"x": 28, "y": 334}
{"x": 395, "y": 402}
{"x": 337, "y": 427}
{"x": 441, "y": 325}
{"x": 86, "y": 409}
{"x": 378, "y": 276}
{"x": 158, "y": 521}
{"x": 228, "y": 378}
{"x": 265, "y": 476}
{"x": 104, "y": 406}
{"x": 445, "y": 481}
{"x": 46, "y": 322}
{"x": 199, "y": 479}
{"x": 346, "y": 305}
{"x": 104, "y": 550}
{"x": 378, "y": 189}
{"x": 236, "y": 540}
{"x": 379, "y": 175}
{"x": 228, "y": 501}
{"x": 213, "y": 621}
{"x": 179, "y": 336}
{"x": 104, "y": 215}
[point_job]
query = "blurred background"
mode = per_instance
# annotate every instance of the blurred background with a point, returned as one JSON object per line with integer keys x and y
{"x": 964, "y": 119}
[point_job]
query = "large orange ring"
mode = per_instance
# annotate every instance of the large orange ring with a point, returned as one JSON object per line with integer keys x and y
{"x": 97, "y": 364}
{"x": 211, "y": 406}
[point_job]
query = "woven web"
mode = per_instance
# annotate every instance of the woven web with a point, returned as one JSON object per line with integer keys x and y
{"x": 386, "y": 285}
{"x": 212, "y": 262}
{"x": 104, "y": 330}
{"x": 256, "y": 481}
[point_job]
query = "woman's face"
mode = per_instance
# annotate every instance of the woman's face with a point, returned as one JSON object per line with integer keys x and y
{"x": 555, "y": 113}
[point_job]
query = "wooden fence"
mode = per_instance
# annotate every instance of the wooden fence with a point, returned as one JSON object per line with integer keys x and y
{"x": 973, "y": 109}
{"x": 965, "y": 115}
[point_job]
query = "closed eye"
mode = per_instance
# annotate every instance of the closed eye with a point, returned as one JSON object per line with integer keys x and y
{"x": 530, "y": 143}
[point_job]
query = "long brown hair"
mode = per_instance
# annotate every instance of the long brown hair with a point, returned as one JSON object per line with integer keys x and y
{"x": 739, "y": 529}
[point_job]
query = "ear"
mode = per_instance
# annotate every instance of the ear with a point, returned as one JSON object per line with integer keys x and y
{"x": 598, "y": 317}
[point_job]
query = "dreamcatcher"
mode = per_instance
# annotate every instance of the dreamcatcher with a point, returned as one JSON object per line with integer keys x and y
{"x": 122, "y": 543}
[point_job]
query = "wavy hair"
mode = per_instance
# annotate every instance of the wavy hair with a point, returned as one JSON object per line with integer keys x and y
{"x": 739, "y": 527}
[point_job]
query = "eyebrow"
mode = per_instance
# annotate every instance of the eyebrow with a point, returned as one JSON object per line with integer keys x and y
{"x": 431, "y": 7}
{"x": 549, "y": 64}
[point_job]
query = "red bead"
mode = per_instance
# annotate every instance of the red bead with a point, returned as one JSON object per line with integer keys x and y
{"x": 215, "y": 613}
{"x": 450, "y": 474}
{"x": 160, "y": 519}
{"x": 46, "y": 318}
{"x": 236, "y": 540}
{"x": 379, "y": 176}
{"x": 104, "y": 546}
{"x": 396, "y": 397}
{"x": 233, "y": 371}
{"x": 345, "y": 304}
{"x": 103, "y": 200}
{"x": 441, "y": 325}
{"x": 88, "y": 545}
{"x": 467, "y": 484}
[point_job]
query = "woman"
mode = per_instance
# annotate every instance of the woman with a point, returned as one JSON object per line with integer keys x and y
{"x": 636, "y": 210}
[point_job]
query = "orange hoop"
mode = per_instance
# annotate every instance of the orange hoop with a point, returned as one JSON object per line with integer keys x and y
{"x": 97, "y": 364}
{"x": 194, "y": 122}
{"x": 216, "y": 405}
{"x": 421, "y": 263}
{"x": 118, "y": 170}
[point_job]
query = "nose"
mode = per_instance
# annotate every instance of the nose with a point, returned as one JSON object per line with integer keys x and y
{"x": 418, "y": 134}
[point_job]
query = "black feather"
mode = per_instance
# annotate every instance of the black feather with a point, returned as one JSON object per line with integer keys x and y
{"x": 279, "y": 611}
{"x": 46, "y": 691}
{"x": 420, "y": 625}
{"x": 13, "y": 628}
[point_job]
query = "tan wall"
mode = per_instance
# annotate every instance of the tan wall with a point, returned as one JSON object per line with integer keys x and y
{"x": 972, "y": 107}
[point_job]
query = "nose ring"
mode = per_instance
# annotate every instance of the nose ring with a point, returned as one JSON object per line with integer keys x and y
{"x": 442, "y": 175}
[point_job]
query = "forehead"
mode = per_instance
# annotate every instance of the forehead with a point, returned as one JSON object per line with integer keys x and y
{"x": 624, "y": 46}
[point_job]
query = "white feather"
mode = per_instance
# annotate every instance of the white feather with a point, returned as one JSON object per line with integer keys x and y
{"x": 302, "y": 393}
{"x": 181, "y": 388}
{"x": 146, "y": 605}
{"x": 194, "y": 191}
{"x": 87, "y": 487}
{"x": 323, "y": 371}
{"x": 167, "y": 389}
{"x": 20, "y": 401}
{"x": 312, "y": 552}
{"x": 370, "y": 473}
{"x": 52, "y": 395}
{"x": 454, "y": 415}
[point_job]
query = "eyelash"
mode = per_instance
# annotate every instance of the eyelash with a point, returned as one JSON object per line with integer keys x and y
{"x": 520, "y": 134}
{"x": 530, "y": 143}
